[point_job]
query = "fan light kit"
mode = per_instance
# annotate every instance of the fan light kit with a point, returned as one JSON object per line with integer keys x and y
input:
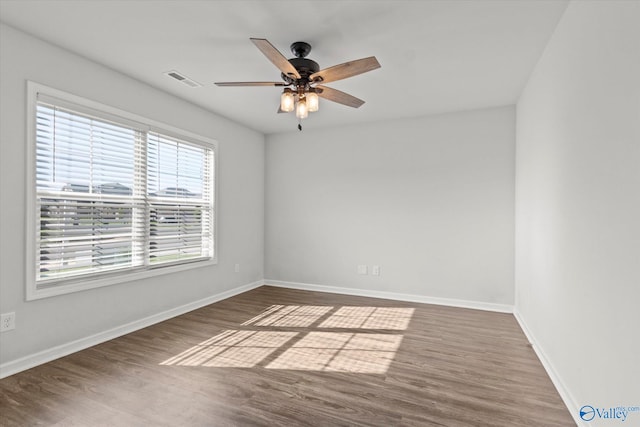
{"x": 302, "y": 77}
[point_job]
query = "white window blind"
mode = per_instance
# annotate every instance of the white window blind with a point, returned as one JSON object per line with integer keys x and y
{"x": 179, "y": 188}
{"x": 113, "y": 197}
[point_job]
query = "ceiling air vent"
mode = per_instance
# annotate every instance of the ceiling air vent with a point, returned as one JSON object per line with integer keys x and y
{"x": 182, "y": 78}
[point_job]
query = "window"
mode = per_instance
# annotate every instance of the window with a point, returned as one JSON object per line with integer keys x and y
{"x": 114, "y": 197}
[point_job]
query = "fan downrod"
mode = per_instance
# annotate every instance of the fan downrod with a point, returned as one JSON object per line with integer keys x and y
{"x": 300, "y": 49}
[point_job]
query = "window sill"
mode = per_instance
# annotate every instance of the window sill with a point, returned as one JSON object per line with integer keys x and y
{"x": 33, "y": 293}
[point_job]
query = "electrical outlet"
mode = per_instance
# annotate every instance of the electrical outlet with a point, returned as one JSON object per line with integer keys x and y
{"x": 7, "y": 321}
{"x": 237, "y": 268}
{"x": 375, "y": 270}
{"x": 362, "y": 269}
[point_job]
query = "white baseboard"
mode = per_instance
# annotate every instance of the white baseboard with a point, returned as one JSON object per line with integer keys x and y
{"x": 563, "y": 391}
{"x": 501, "y": 308}
{"x": 24, "y": 363}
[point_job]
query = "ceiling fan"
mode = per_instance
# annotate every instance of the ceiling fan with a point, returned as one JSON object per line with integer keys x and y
{"x": 302, "y": 77}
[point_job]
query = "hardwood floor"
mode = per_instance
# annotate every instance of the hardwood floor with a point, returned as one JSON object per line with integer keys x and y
{"x": 284, "y": 357}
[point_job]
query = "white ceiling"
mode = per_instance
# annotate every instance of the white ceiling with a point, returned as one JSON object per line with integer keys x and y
{"x": 436, "y": 56}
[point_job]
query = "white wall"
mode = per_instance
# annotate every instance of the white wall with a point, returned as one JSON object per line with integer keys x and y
{"x": 50, "y": 322}
{"x": 430, "y": 200}
{"x": 578, "y": 205}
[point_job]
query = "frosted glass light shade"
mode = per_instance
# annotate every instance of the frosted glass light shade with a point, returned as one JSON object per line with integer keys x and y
{"x": 301, "y": 109}
{"x": 312, "y": 101}
{"x": 286, "y": 101}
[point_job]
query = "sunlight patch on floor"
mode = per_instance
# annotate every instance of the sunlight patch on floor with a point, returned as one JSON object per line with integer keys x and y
{"x": 352, "y": 349}
{"x": 340, "y": 352}
{"x": 237, "y": 349}
{"x": 392, "y": 318}
{"x": 296, "y": 316}
{"x": 303, "y": 316}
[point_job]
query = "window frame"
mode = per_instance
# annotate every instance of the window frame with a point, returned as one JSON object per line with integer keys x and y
{"x": 75, "y": 284}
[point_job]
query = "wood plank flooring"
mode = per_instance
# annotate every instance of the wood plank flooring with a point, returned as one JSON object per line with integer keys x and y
{"x": 284, "y": 357}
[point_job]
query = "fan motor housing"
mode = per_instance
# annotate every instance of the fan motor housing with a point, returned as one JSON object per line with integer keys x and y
{"x": 305, "y": 68}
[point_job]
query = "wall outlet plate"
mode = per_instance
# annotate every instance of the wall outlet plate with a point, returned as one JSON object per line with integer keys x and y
{"x": 375, "y": 270}
{"x": 7, "y": 321}
{"x": 362, "y": 269}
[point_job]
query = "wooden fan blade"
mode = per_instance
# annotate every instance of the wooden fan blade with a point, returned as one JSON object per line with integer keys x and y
{"x": 278, "y": 59}
{"x": 250, "y": 84}
{"x": 338, "y": 96}
{"x": 348, "y": 69}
